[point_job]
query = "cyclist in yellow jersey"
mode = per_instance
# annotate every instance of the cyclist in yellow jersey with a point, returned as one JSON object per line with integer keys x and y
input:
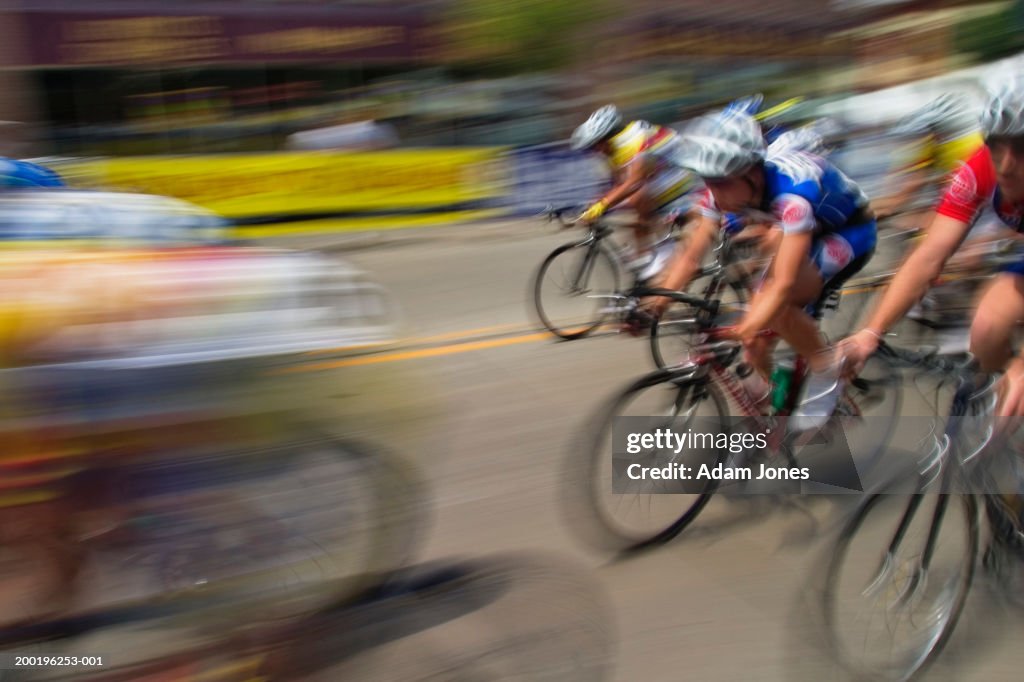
{"x": 647, "y": 179}
{"x": 944, "y": 133}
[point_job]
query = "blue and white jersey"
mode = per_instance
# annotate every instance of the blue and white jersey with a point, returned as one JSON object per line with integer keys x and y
{"x": 805, "y": 193}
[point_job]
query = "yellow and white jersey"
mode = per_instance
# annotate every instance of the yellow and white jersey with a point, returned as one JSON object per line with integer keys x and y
{"x": 657, "y": 146}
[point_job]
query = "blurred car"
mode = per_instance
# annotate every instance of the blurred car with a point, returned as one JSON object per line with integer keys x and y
{"x": 116, "y": 219}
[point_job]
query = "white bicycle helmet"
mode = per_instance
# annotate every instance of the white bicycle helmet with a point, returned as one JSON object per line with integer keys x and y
{"x": 1004, "y": 113}
{"x": 722, "y": 145}
{"x": 814, "y": 138}
{"x": 601, "y": 124}
{"x": 947, "y": 116}
{"x": 804, "y": 139}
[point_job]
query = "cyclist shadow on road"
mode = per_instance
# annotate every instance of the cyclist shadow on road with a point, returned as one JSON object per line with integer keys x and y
{"x": 514, "y": 616}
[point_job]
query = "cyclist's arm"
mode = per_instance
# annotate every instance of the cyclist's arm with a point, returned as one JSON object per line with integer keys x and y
{"x": 687, "y": 262}
{"x": 632, "y": 180}
{"x": 916, "y": 274}
{"x": 790, "y": 257}
{"x": 910, "y": 183}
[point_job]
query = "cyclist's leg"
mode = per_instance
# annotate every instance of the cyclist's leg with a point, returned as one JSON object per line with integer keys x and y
{"x": 795, "y": 325}
{"x": 663, "y": 195}
{"x": 801, "y": 334}
{"x": 641, "y": 206}
{"x": 758, "y": 354}
{"x": 836, "y": 257}
{"x": 1000, "y": 310}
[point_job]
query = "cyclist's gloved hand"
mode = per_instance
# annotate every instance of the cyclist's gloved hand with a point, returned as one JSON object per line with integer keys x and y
{"x": 593, "y": 213}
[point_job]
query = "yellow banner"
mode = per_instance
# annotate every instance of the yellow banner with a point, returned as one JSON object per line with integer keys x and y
{"x": 325, "y": 184}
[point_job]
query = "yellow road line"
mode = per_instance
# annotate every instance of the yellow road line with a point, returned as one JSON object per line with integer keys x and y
{"x": 468, "y": 333}
{"x": 525, "y": 335}
{"x": 420, "y": 340}
{"x": 417, "y": 354}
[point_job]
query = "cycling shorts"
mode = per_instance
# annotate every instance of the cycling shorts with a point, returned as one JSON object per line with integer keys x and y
{"x": 833, "y": 251}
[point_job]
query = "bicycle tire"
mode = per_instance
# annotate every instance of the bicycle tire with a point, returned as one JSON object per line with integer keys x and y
{"x": 927, "y": 656}
{"x": 581, "y": 502}
{"x": 595, "y": 252}
{"x": 390, "y": 517}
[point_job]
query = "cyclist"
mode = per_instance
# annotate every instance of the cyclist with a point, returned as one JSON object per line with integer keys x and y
{"x": 826, "y": 233}
{"x": 993, "y": 177}
{"x": 646, "y": 179}
{"x": 944, "y": 133}
{"x": 812, "y": 137}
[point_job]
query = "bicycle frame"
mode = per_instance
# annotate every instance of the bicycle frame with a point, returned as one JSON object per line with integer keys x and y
{"x": 717, "y": 356}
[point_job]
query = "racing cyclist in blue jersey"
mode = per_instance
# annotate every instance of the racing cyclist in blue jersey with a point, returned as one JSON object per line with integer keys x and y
{"x": 15, "y": 174}
{"x": 825, "y": 234}
{"x": 812, "y": 138}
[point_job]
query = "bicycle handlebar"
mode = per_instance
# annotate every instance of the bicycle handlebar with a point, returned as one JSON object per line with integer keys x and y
{"x": 1004, "y": 251}
{"x": 551, "y": 213}
{"x": 929, "y": 361}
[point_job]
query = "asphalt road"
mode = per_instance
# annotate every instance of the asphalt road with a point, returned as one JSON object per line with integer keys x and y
{"x": 726, "y": 601}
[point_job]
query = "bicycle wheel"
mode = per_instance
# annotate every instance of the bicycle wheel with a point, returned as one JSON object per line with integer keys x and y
{"x": 270, "y": 534}
{"x": 567, "y": 286}
{"x": 608, "y": 520}
{"x": 881, "y": 583}
{"x": 672, "y": 335}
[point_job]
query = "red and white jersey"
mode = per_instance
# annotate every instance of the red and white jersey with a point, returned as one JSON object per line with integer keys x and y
{"x": 972, "y": 188}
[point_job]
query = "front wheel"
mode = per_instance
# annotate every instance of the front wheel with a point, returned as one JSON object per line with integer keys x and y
{"x": 893, "y": 600}
{"x": 571, "y": 288}
{"x": 645, "y": 512}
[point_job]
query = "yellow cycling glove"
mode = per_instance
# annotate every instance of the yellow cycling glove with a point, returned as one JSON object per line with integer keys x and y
{"x": 594, "y": 212}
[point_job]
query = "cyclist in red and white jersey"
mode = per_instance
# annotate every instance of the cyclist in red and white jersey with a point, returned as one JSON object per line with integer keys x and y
{"x": 992, "y": 177}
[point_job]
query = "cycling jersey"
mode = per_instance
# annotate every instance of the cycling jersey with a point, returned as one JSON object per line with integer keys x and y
{"x": 657, "y": 146}
{"x": 805, "y": 193}
{"x": 973, "y": 187}
{"x": 943, "y": 156}
{"x": 15, "y": 173}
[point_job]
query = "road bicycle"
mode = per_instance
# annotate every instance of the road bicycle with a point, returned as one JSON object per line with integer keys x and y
{"x": 703, "y": 393}
{"x": 580, "y": 285}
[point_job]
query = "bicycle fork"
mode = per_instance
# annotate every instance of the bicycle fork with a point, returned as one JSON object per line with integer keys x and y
{"x": 583, "y": 275}
{"x": 918, "y": 580}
